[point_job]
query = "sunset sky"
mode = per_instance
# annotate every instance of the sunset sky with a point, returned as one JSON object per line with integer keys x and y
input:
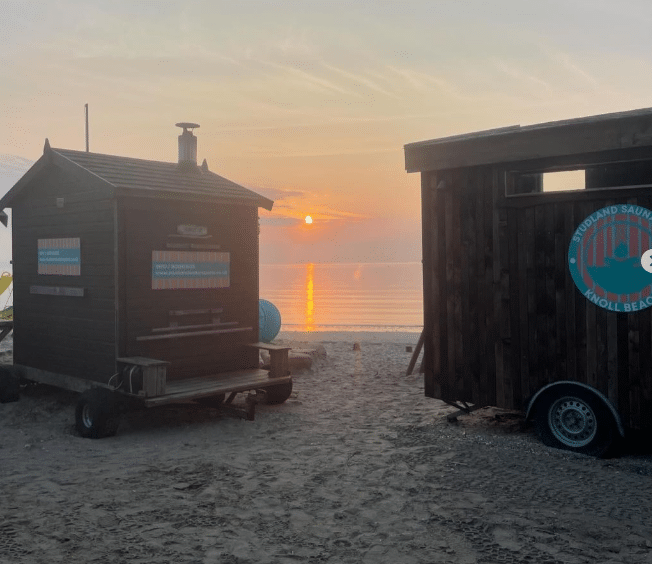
{"x": 310, "y": 102}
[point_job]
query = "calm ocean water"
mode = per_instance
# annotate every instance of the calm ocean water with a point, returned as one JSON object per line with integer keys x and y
{"x": 376, "y": 297}
{"x": 345, "y": 297}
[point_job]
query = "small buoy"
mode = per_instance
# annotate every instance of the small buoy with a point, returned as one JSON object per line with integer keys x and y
{"x": 356, "y": 346}
{"x": 269, "y": 321}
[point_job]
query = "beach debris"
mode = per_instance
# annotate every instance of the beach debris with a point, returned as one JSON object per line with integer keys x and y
{"x": 299, "y": 361}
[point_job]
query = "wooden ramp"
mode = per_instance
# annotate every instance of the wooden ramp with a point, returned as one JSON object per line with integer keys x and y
{"x": 224, "y": 383}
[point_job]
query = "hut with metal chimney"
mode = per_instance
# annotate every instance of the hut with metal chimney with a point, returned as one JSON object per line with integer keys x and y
{"x": 137, "y": 277}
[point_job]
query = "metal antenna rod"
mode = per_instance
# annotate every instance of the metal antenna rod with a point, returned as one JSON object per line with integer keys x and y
{"x": 86, "y": 106}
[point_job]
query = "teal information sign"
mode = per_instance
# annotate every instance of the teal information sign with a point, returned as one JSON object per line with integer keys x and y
{"x": 59, "y": 256}
{"x": 173, "y": 270}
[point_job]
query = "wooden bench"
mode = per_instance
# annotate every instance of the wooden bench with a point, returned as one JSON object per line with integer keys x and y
{"x": 175, "y": 331}
{"x": 278, "y": 358}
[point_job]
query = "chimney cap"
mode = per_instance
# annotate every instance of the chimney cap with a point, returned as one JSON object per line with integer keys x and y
{"x": 187, "y": 125}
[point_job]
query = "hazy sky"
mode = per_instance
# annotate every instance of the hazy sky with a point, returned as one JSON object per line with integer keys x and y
{"x": 310, "y": 102}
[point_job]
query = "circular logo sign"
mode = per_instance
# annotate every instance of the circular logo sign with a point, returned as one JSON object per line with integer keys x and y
{"x": 608, "y": 258}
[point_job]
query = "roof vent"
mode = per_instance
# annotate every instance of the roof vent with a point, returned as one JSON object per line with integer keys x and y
{"x": 187, "y": 146}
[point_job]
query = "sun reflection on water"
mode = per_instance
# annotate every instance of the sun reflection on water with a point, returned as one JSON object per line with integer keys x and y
{"x": 315, "y": 297}
{"x": 310, "y": 298}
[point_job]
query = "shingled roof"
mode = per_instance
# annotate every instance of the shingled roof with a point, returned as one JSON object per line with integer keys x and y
{"x": 131, "y": 176}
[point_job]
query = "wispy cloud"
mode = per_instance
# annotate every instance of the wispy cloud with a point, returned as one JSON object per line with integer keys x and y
{"x": 278, "y": 194}
{"x": 358, "y": 78}
{"x": 420, "y": 80}
{"x": 522, "y": 76}
{"x": 311, "y": 80}
{"x": 574, "y": 68}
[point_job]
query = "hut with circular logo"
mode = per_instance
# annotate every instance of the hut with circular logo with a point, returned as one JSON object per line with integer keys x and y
{"x": 536, "y": 292}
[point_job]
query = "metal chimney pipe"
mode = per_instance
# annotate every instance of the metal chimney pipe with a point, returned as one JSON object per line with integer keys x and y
{"x": 187, "y": 145}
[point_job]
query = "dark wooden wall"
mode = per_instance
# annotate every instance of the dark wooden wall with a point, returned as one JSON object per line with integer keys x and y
{"x": 502, "y": 314}
{"x": 146, "y": 225}
{"x": 69, "y": 335}
{"x": 459, "y": 320}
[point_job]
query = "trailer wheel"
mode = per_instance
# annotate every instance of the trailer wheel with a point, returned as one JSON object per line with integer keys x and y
{"x": 573, "y": 418}
{"x": 275, "y": 395}
{"x": 9, "y": 385}
{"x": 97, "y": 414}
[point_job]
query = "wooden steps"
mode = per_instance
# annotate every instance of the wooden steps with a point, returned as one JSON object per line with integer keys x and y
{"x": 224, "y": 383}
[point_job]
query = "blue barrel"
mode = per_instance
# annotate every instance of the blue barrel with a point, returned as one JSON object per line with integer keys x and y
{"x": 269, "y": 321}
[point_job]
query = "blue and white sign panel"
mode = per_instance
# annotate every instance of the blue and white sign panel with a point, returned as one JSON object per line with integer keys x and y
{"x": 181, "y": 270}
{"x": 59, "y": 256}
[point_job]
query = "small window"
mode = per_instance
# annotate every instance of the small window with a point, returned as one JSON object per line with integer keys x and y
{"x": 589, "y": 177}
{"x": 562, "y": 181}
{"x": 540, "y": 182}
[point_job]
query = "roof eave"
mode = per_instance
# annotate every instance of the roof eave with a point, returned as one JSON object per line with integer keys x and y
{"x": 51, "y": 157}
{"x": 32, "y": 172}
{"x": 594, "y": 134}
{"x": 265, "y": 203}
{"x": 256, "y": 201}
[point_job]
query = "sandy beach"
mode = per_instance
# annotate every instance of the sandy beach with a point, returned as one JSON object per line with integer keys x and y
{"x": 356, "y": 467}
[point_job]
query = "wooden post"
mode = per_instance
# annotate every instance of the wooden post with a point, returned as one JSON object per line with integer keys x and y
{"x": 278, "y": 359}
{"x": 415, "y": 355}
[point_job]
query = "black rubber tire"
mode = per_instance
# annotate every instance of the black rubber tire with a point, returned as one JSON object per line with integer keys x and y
{"x": 275, "y": 395}
{"x": 9, "y": 385}
{"x": 212, "y": 401}
{"x": 574, "y": 418}
{"x": 97, "y": 414}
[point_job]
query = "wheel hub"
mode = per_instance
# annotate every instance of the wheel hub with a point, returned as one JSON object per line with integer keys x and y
{"x": 572, "y": 421}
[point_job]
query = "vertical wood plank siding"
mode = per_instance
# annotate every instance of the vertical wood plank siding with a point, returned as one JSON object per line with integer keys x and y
{"x": 502, "y": 314}
{"x": 70, "y": 335}
{"x": 149, "y": 224}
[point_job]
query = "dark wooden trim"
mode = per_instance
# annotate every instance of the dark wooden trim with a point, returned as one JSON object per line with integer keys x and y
{"x": 68, "y": 291}
{"x": 197, "y": 197}
{"x": 531, "y": 200}
{"x": 210, "y": 385}
{"x": 188, "y": 327}
{"x": 192, "y": 334}
{"x": 182, "y": 312}
{"x": 63, "y": 381}
{"x": 580, "y": 136}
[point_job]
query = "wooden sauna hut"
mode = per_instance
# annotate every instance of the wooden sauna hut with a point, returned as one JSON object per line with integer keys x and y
{"x": 138, "y": 279}
{"x": 504, "y": 322}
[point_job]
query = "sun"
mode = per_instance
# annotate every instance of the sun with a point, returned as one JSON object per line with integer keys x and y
{"x": 308, "y": 219}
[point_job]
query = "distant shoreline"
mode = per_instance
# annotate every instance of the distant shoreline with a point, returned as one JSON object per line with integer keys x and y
{"x": 396, "y": 337}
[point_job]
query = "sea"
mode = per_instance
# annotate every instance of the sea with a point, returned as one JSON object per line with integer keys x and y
{"x": 352, "y": 297}
{"x": 339, "y": 297}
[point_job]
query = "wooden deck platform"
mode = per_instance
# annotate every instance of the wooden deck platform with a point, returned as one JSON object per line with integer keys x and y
{"x": 224, "y": 383}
